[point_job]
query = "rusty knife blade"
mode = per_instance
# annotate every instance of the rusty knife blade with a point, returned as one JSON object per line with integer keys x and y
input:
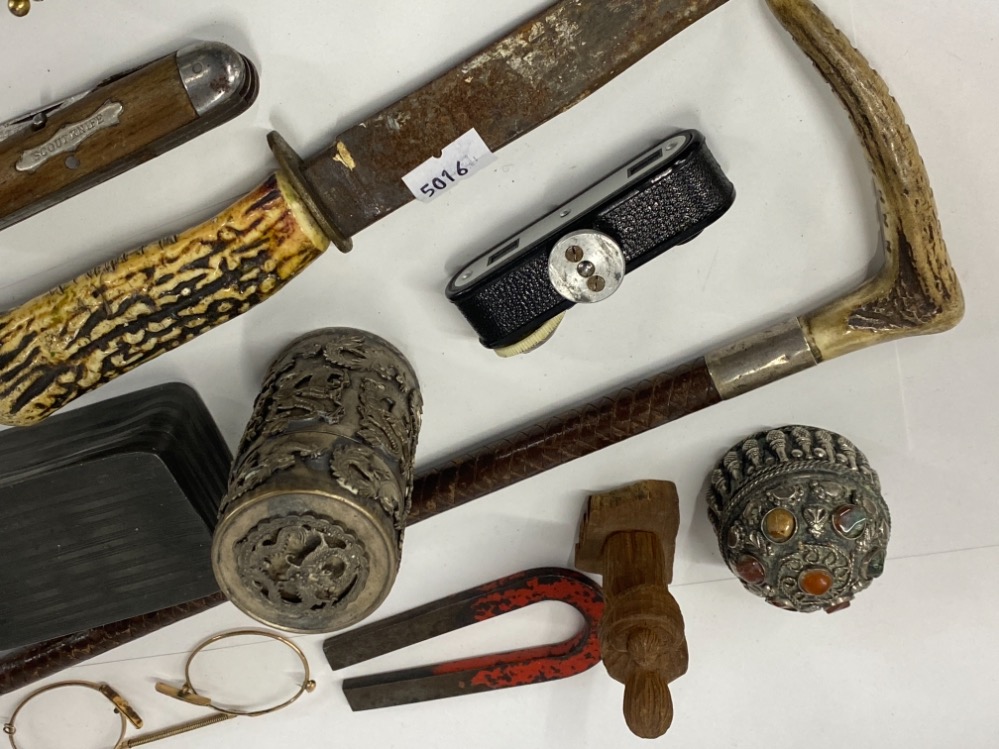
{"x": 539, "y": 70}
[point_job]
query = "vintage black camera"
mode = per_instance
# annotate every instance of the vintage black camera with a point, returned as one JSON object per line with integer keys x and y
{"x": 514, "y": 294}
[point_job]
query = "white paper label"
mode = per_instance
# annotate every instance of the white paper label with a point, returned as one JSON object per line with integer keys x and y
{"x": 459, "y": 161}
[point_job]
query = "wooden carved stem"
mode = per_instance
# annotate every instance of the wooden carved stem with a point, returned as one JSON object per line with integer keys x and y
{"x": 629, "y": 537}
{"x": 102, "y": 324}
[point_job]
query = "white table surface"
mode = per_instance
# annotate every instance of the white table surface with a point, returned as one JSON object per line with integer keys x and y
{"x": 913, "y": 663}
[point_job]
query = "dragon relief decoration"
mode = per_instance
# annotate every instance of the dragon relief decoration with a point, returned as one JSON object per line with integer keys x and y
{"x": 360, "y": 472}
{"x": 322, "y": 479}
{"x": 387, "y": 422}
{"x": 291, "y": 394}
{"x": 800, "y": 518}
{"x": 272, "y": 457}
{"x": 303, "y": 563}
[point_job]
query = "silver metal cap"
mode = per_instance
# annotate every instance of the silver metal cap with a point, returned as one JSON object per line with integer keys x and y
{"x": 212, "y": 73}
{"x": 586, "y": 266}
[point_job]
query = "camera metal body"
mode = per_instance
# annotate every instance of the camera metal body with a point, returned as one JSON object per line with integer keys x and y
{"x": 581, "y": 251}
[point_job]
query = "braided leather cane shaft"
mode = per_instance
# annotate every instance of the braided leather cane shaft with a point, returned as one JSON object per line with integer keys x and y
{"x": 567, "y": 436}
{"x": 528, "y": 452}
{"x": 26, "y": 665}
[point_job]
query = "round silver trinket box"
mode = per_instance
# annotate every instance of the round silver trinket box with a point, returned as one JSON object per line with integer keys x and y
{"x": 800, "y": 518}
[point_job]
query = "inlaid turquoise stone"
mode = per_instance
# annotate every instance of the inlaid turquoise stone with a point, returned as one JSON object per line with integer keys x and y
{"x": 850, "y": 521}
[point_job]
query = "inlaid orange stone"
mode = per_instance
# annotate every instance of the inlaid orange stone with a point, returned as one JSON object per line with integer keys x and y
{"x": 779, "y": 525}
{"x": 815, "y": 582}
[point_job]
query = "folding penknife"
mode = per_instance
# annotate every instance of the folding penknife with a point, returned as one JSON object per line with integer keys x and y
{"x": 61, "y": 149}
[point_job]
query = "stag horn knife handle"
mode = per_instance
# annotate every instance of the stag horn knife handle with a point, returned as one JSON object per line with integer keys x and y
{"x": 104, "y": 323}
{"x": 629, "y": 537}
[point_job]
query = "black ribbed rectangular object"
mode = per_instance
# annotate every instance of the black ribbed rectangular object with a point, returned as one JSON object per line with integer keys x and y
{"x": 107, "y": 512}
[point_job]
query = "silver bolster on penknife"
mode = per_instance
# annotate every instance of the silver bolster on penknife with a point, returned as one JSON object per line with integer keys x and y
{"x": 215, "y": 77}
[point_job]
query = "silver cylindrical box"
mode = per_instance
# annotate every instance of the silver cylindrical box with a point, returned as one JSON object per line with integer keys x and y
{"x": 310, "y": 531}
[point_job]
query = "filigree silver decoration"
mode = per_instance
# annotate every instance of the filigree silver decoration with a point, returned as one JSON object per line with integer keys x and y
{"x": 817, "y": 518}
{"x": 807, "y": 557}
{"x": 360, "y": 472}
{"x": 830, "y": 525}
{"x": 303, "y": 561}
{"x": 310, "y": 531}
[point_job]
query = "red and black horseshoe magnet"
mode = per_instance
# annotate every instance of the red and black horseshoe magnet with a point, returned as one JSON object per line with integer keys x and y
{"x": 532, "y": 665}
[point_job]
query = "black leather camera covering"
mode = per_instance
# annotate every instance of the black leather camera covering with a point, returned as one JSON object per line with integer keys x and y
{"x": 668, "y": 207}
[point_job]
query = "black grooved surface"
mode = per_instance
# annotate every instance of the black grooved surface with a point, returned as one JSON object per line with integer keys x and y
{"x": 107, "y": 512}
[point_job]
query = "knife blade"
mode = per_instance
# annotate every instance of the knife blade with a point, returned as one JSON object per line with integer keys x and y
{"x": 539, "y": 70}
{"x": 61, "y": 149}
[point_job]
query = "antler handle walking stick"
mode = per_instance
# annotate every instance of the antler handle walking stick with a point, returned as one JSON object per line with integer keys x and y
{"x": 916, "y": 292}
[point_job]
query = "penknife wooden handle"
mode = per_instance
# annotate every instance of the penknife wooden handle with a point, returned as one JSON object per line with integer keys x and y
{"x": 58, "y": 151}
{"x": 82, "y": 334}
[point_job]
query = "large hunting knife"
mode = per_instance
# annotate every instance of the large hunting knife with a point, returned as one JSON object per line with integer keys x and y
{"x": 76, "y": 337}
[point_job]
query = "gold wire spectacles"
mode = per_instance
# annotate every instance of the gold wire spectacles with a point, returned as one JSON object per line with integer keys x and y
{"x": 186, "y": 693}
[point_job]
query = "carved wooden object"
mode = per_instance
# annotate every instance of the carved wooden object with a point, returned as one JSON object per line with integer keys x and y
{"x": 78, "y": 336}
{"x": 629, "y": 537}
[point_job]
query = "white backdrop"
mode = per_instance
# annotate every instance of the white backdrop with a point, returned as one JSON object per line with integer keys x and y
{"x": 913, "y": 663}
